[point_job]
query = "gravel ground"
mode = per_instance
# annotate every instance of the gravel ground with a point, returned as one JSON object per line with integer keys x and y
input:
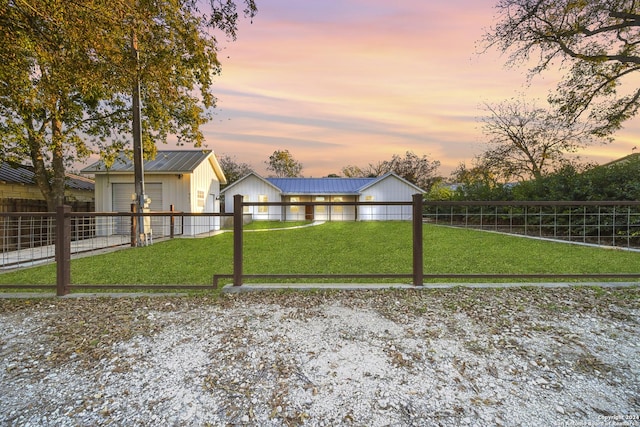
{"x": 456, "y": 357}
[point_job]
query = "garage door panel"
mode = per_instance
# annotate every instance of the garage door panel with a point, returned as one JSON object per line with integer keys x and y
{"x": 121, "y": 196}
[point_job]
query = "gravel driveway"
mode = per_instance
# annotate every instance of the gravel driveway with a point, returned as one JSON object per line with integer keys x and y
{"x": 530, "y": 357}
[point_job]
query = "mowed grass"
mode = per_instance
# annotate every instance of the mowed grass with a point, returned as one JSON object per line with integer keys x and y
{"x": 334, "y": 248}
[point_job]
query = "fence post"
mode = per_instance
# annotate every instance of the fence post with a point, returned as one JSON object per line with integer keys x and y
{"x": 63, "y": 250}
{"x": 418, "y": 259}
{"x": 134, "y": 225}
{"x": 172, "y": 222}
{"x": 237, "y": 239}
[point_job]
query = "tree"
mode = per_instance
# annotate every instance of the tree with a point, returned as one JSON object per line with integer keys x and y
{"x": 417, "y": 170}
{"x": 352, "y": 171}
{"x": 528, "y": 141}
{"x": 596, "y": 41}
{"x": 372, "y": 170}
{"x": 478, "y": 182}
{"x": 618, "y": 180}
{"x": 283, "y": 165}
{"x": 232, "y": 169}
{"x": 440, "y": 190}
{"x": 67, "y": 73}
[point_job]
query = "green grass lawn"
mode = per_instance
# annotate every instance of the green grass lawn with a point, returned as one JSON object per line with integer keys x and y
{"x": 332, "y": 248}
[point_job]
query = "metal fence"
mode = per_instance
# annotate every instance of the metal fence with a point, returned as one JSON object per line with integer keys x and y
{"x": 600, "y": 223}
{"x": 410, "y": 210}
{"x": 29, "y": 238}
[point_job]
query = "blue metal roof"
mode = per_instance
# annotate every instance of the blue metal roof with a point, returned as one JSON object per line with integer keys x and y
{"x": 320, "y": 185}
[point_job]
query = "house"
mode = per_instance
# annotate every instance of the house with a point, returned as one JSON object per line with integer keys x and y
{"x": 20, "y": 193}
{"x": 185, "y": 180}
{"x": 386, "y": 188}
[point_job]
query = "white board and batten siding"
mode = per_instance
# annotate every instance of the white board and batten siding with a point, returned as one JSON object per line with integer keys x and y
{"x": 165, "y": 191}
{"x": 205, "y": 191}
{"x": 389, "y": 189}
{"x": 254, "y": 189}
{"x": 114, "y": 193}
{"x": 187, "y": 180}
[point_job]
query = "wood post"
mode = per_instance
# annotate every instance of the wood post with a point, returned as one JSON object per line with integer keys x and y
{"x": 134, "y": 225}
{"x": 63, "y": 250}
{"x": 237, "y": 239}
{"x": 172, "y": 222}
{"x": 418, "y": 259}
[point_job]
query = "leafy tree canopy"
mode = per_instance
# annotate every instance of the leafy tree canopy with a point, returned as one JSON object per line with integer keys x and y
{"x": 233, "y": 170}
{"x": 417, "y": 170}
{"x": 283, "y": 165}
{"x": 67, "y": 73}
{"x": 619, "y": 180}
{"x": 527, "y": 141}
{"x": 478, "y": 182}
{"x": 594, "y": 41}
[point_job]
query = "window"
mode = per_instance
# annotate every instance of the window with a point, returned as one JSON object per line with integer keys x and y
{"x": 245, "y": 199}
{"x": 200, "y": 199}
{"x": 369, "y": 198}
{"x": 262, "y": 198}
{"x": 295, "y": 209}
{"x": 338, "y": 209}
{"x": 320, "y": 209}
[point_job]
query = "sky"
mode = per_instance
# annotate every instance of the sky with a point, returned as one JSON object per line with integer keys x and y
{"x": 353, "y": 82}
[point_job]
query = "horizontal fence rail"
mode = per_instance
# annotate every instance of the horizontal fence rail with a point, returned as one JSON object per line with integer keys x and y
{"x": 600, "y": 223}
{"x": 29, "y": 238}
{"x": 409, "y": 210}
{"x": 328, "y": 210}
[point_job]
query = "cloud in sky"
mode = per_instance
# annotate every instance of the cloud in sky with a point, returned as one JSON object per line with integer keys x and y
{"x": 356, "y": 81}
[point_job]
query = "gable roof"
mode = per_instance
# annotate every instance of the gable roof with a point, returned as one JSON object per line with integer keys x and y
{"x": 166, "y": 161}
{"x": 252, "y": 174}
{"x": 316, "y": 186}
{"x": 392, "y": 174}
{"x": 22, "y": 174}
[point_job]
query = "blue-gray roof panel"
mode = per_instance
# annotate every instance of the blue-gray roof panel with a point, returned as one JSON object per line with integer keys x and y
{"x": 21, "y": 174}
{"x": 165, "y": 161}
{"x": 320, "y": 185}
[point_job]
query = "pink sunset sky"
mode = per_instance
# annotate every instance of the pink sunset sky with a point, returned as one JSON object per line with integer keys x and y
{"x": 355, "y": 81}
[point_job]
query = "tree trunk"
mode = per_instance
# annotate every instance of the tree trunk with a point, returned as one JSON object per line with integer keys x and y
{"x": 50, "y": 183}
{"x": 39, "y": 167}
{"x": 57, "y": 185}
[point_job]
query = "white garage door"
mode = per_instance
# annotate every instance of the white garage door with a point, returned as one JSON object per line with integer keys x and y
{"x": 121, "y": 196}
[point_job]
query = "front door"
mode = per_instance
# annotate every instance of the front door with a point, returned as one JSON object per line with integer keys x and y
{"x": 308, "y": 213}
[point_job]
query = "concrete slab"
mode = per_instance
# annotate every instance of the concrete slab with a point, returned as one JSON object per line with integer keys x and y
{"x": 256, "y": 287}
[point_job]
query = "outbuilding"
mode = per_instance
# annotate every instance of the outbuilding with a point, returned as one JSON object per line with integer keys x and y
{"x": 182, "y": 180}
{"x": 19, "y": 192}
{"x": 386, "y": 188}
